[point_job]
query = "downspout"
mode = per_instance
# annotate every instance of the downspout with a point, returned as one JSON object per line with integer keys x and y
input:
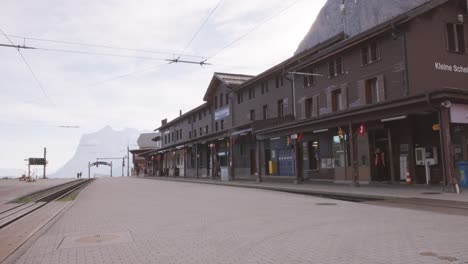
{"x": 405, "y": 58}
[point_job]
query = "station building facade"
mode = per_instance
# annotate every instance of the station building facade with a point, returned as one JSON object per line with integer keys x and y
{"x": 383, "y": 106}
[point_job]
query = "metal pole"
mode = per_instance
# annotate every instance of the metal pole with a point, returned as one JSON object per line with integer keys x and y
{"x": 111, "y": 168}
{"x": 123, "y": 165}
{"x": 128, "y": 161}
{"x": 45, "y": 163}
{"x": 89, "y": 170}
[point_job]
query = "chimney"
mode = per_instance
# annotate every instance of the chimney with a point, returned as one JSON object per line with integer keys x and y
{"x": 164, "y": 122}
{"x": 180, "y": 112}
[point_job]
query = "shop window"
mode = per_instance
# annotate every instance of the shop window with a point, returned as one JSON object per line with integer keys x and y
{"x": 309, "y": 104}
{"x": 455, "y": 38}
{"x": 252, "y": 115}
{"x": 372, "y": 91}
{"x": 265, "y": 112}
{"x": 280, "y": 108}
{"x": 339, "y": 152}
{"x": 337, "y": 100}
{"x": 314, "y": 159}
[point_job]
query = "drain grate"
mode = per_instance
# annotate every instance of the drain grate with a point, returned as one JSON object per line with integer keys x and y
{"x": 326, "y": 204}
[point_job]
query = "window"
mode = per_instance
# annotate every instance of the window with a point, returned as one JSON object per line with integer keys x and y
{"x": 455, "y": 38}
{"x": 222, "y": 124}
{"x": 282, "y": 80}
{"x": 165, "y": 139}
{"x": 337, "y": 100}
{"x": 339, "y": 152}
{"x": 227, "y": 99}
{"x": 266, "y": 86}
{"x": 199, "y": 115}
{"x": 194, "y": 118}
{"x": 240, "y": 97}
{"x": 251, "y": 92}
{"x": 309, "y": 80}
{"x": 309, "y": 104}
{"x": 221, "y": 100}
{"x": 277, "y": 81}
{"x": 252, "y": 115}
{"x": 177, "y": 134}
{"x": 172, "y": 137}
{"x": 190, "y": 134}
{"x": 194, "y": 133}
{"x": 335, "y": 67}
{"x": 370, "y": 53}
{"x": 216, "y": 126}
{"x": 201, "y": 131}
{"x": 206, "y": 129}
{"x": 262, "y": 87}
{"x": 280, "y": 108}
{"x": 180, "y": 133}
{"x": 265, "y": 112}
{"x": 216, "y": 102}
{"x": 372, "y": 91}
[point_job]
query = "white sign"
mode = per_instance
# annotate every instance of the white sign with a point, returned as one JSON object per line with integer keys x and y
{"x": 459, "y": 114}
{"x": 222, "y": 113}
{"x": 451, "y": 68}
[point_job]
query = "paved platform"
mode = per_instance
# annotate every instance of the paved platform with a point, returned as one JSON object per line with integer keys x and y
{"x": 11, "y": 189}
{"x": 130, "y": 220}
{"x": 364, "y": 191}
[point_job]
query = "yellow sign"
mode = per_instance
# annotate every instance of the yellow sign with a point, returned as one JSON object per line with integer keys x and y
{"x": 436, "y": 127}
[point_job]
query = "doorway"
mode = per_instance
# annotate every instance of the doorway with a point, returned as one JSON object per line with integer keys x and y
{"x": 253, "y": 162}
{"x": 267, "y": 161}
{"x": 380, "y": 162}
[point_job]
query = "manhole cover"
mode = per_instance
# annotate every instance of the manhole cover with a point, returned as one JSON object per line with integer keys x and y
{"x": 96, "y": 239}
{"x": 325, "y": 204}
{"x": 431, "y": 193}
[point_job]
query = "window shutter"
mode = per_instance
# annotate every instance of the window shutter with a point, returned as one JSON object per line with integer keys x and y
{"x": 362, "y": 92}
{"x": 381, "y": 88}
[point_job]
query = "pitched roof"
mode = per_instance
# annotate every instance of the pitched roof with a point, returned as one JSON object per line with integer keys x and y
{"x": 231, "y": 80}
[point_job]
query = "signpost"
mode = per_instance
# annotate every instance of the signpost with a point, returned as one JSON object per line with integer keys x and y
{"x": 38, "y": 162}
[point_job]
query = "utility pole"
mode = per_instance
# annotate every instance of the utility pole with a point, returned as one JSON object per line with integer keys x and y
{"x": 45, "y": 163}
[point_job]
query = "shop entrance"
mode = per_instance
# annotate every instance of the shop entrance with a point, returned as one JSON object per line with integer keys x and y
{"x": 285, "y": 162}
{"x": 379, "y": 150}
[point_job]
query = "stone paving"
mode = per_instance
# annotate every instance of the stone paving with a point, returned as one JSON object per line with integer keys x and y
{"x": 13, "y": 188}
{"x": 178, "y": 222}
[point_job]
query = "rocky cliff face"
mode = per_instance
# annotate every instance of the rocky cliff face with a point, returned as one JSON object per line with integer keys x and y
{"x": 360, "y": 16}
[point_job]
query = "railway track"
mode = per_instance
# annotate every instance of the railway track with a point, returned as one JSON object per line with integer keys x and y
{"x": 38, "y": 200}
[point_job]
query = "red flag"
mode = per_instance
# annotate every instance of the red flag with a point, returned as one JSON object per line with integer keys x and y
{"x": 299, "y": 138}
{"x": 362, "y": 130}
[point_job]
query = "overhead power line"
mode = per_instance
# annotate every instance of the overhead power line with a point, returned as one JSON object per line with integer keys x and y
{"x": 253, "y": 29}
{"x": 30, "y": 69}
{"x": 199, "y": 29}
{"x": 168, "y": 52}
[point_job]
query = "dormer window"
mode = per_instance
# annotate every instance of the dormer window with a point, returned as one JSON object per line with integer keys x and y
{"x": 370, "y": 53}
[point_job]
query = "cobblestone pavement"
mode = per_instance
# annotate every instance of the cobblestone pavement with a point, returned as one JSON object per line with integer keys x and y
{"x": 177, "y": 222}
{"x": 13, "y": 188}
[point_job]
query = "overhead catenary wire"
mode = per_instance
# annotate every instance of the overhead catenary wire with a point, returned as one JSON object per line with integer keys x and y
{"x": 39, "y": 84}
{"x": 167, "y": 52}
{"x": 252, "y": 30}
{"x": 200, "y": 28}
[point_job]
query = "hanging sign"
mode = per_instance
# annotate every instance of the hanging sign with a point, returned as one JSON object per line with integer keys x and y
{"x": 362, "y": 130}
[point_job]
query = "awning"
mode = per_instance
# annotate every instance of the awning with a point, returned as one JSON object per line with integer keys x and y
{"x": 241, "y": 132}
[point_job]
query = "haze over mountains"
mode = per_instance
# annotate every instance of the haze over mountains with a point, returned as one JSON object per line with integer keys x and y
{"x": 105, "y": 143}
{"x": 360, "y": 15}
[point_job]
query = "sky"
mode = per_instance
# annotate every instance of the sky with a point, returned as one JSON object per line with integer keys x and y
{"x": 130, "y": 89}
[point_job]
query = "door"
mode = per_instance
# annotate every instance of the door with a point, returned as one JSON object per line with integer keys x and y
{"x": 267, "y": 161}
{"x": 253, "y": 162}
{"x": 285, "y": 162}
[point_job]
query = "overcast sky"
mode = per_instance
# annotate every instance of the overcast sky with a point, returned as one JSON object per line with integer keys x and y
{"x": 82, "y": 89}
